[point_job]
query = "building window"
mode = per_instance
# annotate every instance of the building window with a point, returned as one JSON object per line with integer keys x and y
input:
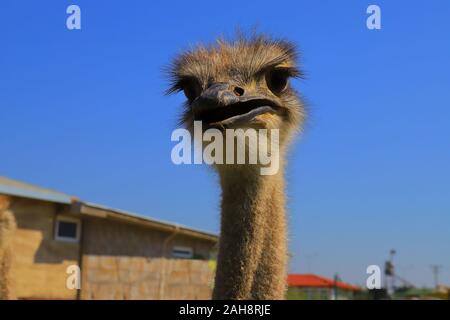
{"x": 67, "y": 229}
{"x": 182, "y": 252}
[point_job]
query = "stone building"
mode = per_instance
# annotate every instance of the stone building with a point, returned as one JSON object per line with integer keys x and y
{"x": 120, "y": 255}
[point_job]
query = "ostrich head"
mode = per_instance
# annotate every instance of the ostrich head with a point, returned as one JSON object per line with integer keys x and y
{"x": 240, "y": 84}
{"x": 244, "y": 85}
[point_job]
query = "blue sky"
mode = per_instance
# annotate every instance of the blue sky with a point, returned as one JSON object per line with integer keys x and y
{"x": 83, "y": 112}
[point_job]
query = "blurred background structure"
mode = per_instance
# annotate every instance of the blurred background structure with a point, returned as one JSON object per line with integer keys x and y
{"x": 121, "y": 255}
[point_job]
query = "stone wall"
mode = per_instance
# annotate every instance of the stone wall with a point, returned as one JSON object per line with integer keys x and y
{"x": 115, "y": 277}
{"x": 40, "y": 261}
{"x": 116, "y": 238}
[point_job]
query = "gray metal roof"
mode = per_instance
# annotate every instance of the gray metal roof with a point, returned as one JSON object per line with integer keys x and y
{"x": 146, "y": 218}
{"x": 25, "y": 190}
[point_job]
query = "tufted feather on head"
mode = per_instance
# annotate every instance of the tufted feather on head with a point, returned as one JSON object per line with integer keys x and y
{"x": 241, "y": 59}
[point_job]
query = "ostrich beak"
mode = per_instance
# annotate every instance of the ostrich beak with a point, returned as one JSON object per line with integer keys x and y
{"x": 223, "y": 104}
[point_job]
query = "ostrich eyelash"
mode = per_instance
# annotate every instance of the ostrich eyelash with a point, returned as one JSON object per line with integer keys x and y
{"x": 291, "y": 72}
{"x": 179, "y": 84}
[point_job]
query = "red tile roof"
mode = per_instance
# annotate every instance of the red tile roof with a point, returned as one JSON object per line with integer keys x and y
{"x": 311, "y": 280}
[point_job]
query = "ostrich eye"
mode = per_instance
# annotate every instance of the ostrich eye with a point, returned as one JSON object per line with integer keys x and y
{"x": 192, "y": 89}
{"x": 277, "y": 80}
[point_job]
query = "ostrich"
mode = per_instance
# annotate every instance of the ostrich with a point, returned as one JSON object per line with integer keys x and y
{"x": 244, "y": 84}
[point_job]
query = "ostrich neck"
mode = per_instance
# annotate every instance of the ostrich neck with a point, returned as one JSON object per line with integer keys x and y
{"x": 252, "y": 254}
